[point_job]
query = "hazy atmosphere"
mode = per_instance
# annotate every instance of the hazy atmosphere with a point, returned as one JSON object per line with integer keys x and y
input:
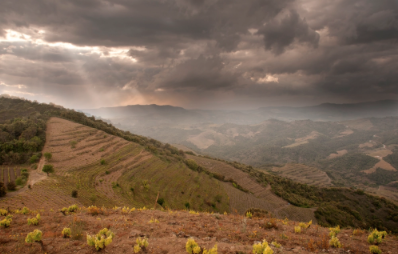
{"x": 199, "y": 54}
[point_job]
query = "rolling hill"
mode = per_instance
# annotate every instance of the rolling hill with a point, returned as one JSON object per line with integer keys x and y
{"x": 109, "y": 167}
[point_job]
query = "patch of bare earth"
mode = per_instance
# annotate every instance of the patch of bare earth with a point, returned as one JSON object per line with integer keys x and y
{"x": 232, "y": 233}
{"x": 379, "y": 154}
{"x": 337, "y": 154}
{"x": 304, "y": 174}
{"x": 303, "y": 140}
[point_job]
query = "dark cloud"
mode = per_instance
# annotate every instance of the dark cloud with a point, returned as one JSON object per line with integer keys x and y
{"x": 281, "y": 32}
{"x": 200, "y": 52}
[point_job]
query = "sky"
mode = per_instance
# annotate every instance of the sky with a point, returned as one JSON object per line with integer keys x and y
{"x": 207, "y": 54}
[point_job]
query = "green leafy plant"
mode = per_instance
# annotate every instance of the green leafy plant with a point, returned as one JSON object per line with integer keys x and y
{"x": 192, "y": 247}
{"x": 262, "y": 248}
{"x": 297, "y": 229}
{"x": 70, "y": 209}
{"x": 3, "y": 212}
{"x": 142, "y": 244}
{"x": 34, "y": 236}
{"x": 305, "y": 225}
{"x": 34, "y": 221}
{"x": 74, "y": 193}
{"x": 48, "y": 156}
{"x": 376, "y": 237}
{"x": 6, "y": 222}
{"x": 374, "y": 249}
{"x": 25, "y": 210}
{"x": 334, "y": 242}
{"x": 102, "y": 162}
{"x": 73, "y": 143}
{"x": 66, "y": 233}
{"x": 100, "y": 240}
{"x": 334, "y": 231}
{"x": 249, "y": 215}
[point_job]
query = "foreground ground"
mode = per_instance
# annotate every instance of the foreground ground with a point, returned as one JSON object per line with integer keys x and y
{"x": 169, "y": 230}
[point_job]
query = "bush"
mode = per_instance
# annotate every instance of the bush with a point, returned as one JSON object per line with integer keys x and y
{"x": 25, "y": 175}
{"x": 161, "y": 201}
{"x": 249, "y": 215}
{"x": 297, "y": 230}
{"x": 334, "y": 242}
{"x": 6, "y": 222}
{"x": 270, "y": 224}
{"x": 34, "y": 221}
{"x": 101, "y": 240}
{"x": 2, "y": 190}
{"x": 33, "y": 159}
{"x": 334, "y": 231}
{"x": 70, "y": 209}
{"x": 19, "y": 181}
{"x": 187, "y": 205}
{"x": 93, "y": 210}
{"x": 376, "y": 237}
{"x": 66, "y": 232}
{"x": 102, "y": 162}
{"x": 34, "y": 236}
{"x": 73, "y": 143}
{"x": 261, "y": 248}
{"x": 141, "y": 244}
{"x": 11, "y": 186}
{"x": 3, "y": 212}
{"x": 48, "y": 156}
{"x": 192, "y": 247}
{"x": 48, "y": 168}
{"x": 374, "y": 249}
{"x": 74, "y": 194}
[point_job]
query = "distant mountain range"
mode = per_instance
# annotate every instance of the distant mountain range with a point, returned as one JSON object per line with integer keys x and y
{"x": 152, "y": 114}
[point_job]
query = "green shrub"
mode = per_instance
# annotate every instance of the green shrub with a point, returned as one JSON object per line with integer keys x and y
{"x": 6, "y": 222}
{"x": 102, "y": 162}
{"x": 70, "y": 209}
{"x": 25, "y": 210}
{"x": 74, "y": 194}
{"x": 66, "y": 233}
{"x": 11, "y": 186}
{"x": 376, "y": 237}
{"x": 3, "y": 212}
{"x": 19, "y": 181}
{"x": 34, "y": 236}
{"x": 48, "y": 156}
{"x": 261, "y": 248}
{"x": 73, "y": 143}
{"x": 187, "y": 205}
{"x": 34, "y": 221}
{"x": 374, "y": 249}
{"x": 334, "y": 242}
{"x": 33, "y": 159}
{"x": 100, "y": 240}
{"x": 334, "y": 231}
{"x": 142, "y": 244}
{"x": 48, "y": 168}
{"x": 161, "y": 201}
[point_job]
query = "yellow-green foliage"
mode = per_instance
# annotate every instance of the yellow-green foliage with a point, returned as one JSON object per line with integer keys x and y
{"x": 24, "y": 210}
{"x": 374, "y": 249}
{"x": 305, "y": 225}
{"x": 192, "y": 247}
{"x": 6, "y": 222}
{"x": 211, "y": 251}
{"x": 66, "y": 232}
{"x": 286, "y": 221}
{"x": 262, "y": 248}
{"x": 3, "y": 212}
{"x": 153, "y": 220}
{"x": 193, "y": 212}
{"x": 249, "y": 215}
{"x": 334, "y": 231}
{"x": 141, "y": 244}
{"x": 376, "y": 237}
{"x": 297, "y": 230}
{"x": 70, "y": 209}
{"x": 34, "y": 221}
{"x": 277, "y": 245}
{"x": 100, "y": 240}
{"x": 334, "y": 242}
{"x": 34, "y": 236}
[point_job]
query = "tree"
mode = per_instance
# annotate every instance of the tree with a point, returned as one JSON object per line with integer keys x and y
{"x": 48, "y": 156}
{"x": 48, "y": 169}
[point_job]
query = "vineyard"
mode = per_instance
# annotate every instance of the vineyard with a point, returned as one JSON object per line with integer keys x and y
{"x": 303, "y": 174}
{"x": 9, "y": 173}
{"x": 259, "y": 196}
{"x": 106, "y": 170}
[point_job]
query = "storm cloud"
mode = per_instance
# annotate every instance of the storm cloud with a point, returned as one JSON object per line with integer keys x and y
{"x": 199, "y": 53}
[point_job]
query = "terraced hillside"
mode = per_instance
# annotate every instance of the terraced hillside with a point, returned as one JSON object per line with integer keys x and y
{"x": 258, "y": 195}
{"x": 304, "y": 174}
{"x": 107, "y": 170}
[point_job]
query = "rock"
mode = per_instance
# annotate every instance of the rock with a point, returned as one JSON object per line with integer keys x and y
{"x": 134, "y": 233}
{"x": 225, "y": 240}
